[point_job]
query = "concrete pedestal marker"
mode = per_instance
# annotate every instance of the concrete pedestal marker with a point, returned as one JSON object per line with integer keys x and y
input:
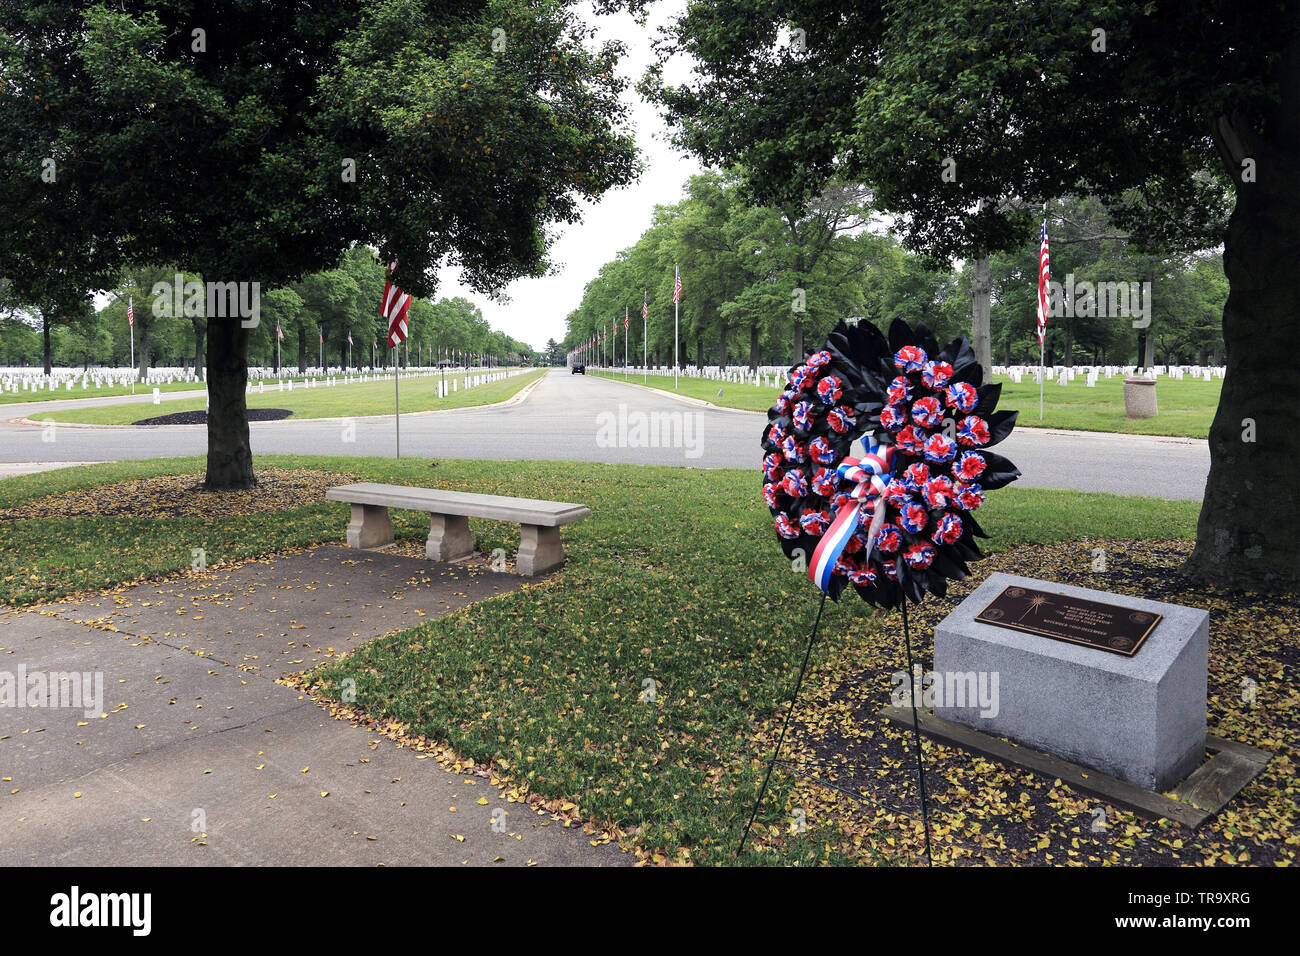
{"x": 1140, "y": 719}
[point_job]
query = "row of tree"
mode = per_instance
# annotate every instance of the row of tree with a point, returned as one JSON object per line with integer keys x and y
{"x": 759, "y": 280}
{"x": 316, "y": 315}
{"x": 253, "y": 141}
{"x": 964, "y": 116}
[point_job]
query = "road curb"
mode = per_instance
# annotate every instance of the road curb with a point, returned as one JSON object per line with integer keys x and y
{"x": 697, "y": 402}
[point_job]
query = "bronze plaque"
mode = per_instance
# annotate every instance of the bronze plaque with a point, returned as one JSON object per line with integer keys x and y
{"x": 1107, "y": 627}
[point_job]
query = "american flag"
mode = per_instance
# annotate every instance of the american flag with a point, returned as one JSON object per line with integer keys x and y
{"x": 393, "y": 307}
{"x": 278, "y": 331}
{"x": 645, "y": 305}
{"x": 1044, "y": 272}
{"x": 130, "y": 313}
{"x": 349, "y": 336}
{"x": 677, "y": 289}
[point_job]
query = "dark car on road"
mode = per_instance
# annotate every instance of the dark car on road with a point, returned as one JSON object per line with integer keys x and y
{"x": 578, "y": 370}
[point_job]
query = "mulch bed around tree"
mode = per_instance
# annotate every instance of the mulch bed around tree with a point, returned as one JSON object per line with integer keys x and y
{"x": 987, "y": 813}
{"x": 182, "y": 496}
{"x": 201, "y": 418}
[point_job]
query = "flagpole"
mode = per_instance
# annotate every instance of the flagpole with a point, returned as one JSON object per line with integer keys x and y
{"x": 397, "y": 403}
{"x": 130, "y": 307}
{"x": 625, "y": 338}
{"x": 1042, "y": 317}
{"x": 645, "y": 341}
{"x": 1042, "y": 376}
{"x": 676, "y": 326}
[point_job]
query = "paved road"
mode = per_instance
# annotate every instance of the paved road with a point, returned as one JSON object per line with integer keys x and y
{"x": 572, "y": 417}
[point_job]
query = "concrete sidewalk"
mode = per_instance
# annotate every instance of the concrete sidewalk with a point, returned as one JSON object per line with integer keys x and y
{"x": 201, "y": 758}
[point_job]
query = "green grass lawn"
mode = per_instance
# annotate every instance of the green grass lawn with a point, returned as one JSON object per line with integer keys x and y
{"x": 62, "y": 394}
{"x": 675, "y": 577}
{"x": 1186, "y": 407}
{"x": 341, "y": 401}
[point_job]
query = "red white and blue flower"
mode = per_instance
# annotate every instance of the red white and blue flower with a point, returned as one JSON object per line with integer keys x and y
{"x": 936, "y": 374}
{"x": 961, "y": 396}
{"x": 910, "y": 358}
{"x": 803, "y": 417}
{"x": 794, "y": 450}
{"x": 937, "y": 492}
{"x": 913, "y": 517}
{"x": 912, "y": 440}
{"x": 801, "y": 377}
{"x": 818, "y": 359}
{"x": 863, "y": 576}
{"x": 899, "y": 391}
{"x": 948, "y": 531}
{"x": 841, "y": 419}
{"x": 973, "y": 431}
{"x": 917, "y": 473}
{"x": 927, "y": 412}
{"x": 785, "y": 527}
{"x": 970, "y": 497}
{"x": 770, "y": 492}
{"x": 892, "y": 418}
{"x": 969, "y": 466}
{"x": 919, "y": 556}
{"x": 825, "y": 481}
{"x": 814, "y": 522}
{"x": 794, "y": 484}
{"x": 940, "y": 449}
{"x": 889, "y": 540}
{"x": 897, "y": 493}
{"x": 822, "y": 452}
{"x": 830, "y": 390}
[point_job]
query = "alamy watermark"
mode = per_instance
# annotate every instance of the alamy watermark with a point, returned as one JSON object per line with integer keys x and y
{"x": 216, "y": 300}
{"x": 76, "y": 689}
{"x": 1100, "y": 300}
{"x": 628, "y": 429}
{"x": 947, "y": 689}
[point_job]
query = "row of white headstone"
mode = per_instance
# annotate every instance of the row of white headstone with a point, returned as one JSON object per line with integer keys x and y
{"x": 1065, "y": 375}
{"x": 448, "y": 381}
{"x": 76, "y": 379}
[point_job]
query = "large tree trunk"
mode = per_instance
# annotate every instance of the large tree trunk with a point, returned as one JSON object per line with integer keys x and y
{"x": 753, "y": 347}
{"x": 302, "y": 350}
{"x": 799, "y": 355}
{"x": 1248, "y": 535}
{"x": 230, "y": 457}
{"x": 981, "y": 287}
{"x": 722, "y": 343}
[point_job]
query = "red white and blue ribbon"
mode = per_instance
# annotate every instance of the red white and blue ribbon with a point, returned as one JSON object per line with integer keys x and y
{"x": 871, "y": 474}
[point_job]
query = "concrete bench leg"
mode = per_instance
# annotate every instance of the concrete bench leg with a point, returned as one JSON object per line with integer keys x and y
{"x": 449, "y": 538}
{"x": 370, "y": 527}
{"x": 540, "y": 550}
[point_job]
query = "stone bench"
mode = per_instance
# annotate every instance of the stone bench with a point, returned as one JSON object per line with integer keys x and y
{"x": 540, "y": 548}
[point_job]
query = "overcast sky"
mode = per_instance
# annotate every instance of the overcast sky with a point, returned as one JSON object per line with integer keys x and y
{"x": 537, "y": 307}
